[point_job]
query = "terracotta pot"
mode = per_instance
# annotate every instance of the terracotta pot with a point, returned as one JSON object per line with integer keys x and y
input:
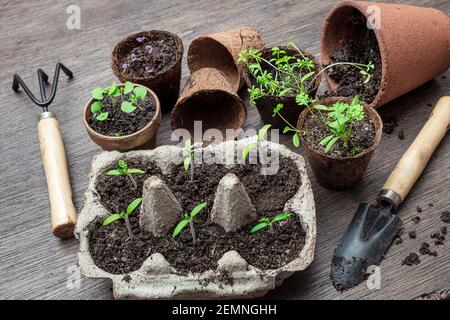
{"x": 208, "y": 97}
{"x": 291, "y": 111}
{"x": 414, "y": 43}
{"x": 142, "y": 139}
{"x": 166, "y": 84}
{"x": 343, "y": 172}
{"x": 220, "y": 50}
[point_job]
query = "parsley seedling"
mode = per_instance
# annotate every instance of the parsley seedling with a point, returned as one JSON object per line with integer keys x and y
{"x": 124, "y": 215}
{"x": 250, "y": 146}
{"x": 123, "y": 169}
{"x": 188, "y": 217}
{"x": 340, "y": 119}
{"x": 268, "y": 223}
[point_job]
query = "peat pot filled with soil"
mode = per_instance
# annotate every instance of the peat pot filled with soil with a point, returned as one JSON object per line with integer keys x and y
{"x": 123, "y": 117}
{"x": 225, "y": 230}
{"x": 153, "y": 59}
{"x": 281, "y": 81}
{"x": 383, "y": 50}
{"x": 340, "y": 136}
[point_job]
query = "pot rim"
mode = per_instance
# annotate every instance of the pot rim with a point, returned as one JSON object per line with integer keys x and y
{"x": 115, "y": 60}
{"x": 155, "y": 121}
{"x": 361, "y": 7}
{"x": 373, "y": 114}
{"x": 248, "y": 77}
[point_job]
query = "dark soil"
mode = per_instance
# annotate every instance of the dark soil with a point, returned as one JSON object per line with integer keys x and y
{"x": 445, "y": 216}
{"x": 362, "y": 49}
{"x": 389, "y": 125}
{"x": 425, "y": 250}
{"x": 120, "y": 123}
{"x": 149, "y": 58}
{"x": 113, "y": 250}
{"x": 362, "y": 137}
{"x": 412, "y": 234}
{"x": 416, "y": 219}
{"x": 411, "y": 259}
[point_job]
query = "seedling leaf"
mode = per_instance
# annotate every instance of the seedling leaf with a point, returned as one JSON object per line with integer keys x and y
{"x": 112, "y": 218}
{"x": 127, "y": 107}
{"x": 197, "y": 209}
{"x": 186, "y": 163}
{"x": 331, "y": 144}
{"x": 296, "y": 140}
{"x": 135, "y": 170}
{"x": 114, "y": 173}
{"x": 132, "y": 206}
{"x": 96, "y": 107}
{"x": 259, "y": 226}
{"x": 247, "y": 149}
{"x": 97, "y": 93}
{"x": 263, "y": 131}
{"x": 102, "y": 116}
{"x": 180, "y": 226}
{"x": 281, "y": 216}
{"x": 140, "y": 92}
{"x": 128, "y": 87}
{"x": 326, "y": 139}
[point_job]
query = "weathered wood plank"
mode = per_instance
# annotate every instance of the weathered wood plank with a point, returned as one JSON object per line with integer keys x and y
{"x": 33, "y": 34}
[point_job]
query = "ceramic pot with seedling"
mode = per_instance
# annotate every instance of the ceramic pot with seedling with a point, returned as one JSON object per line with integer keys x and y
{"x": 153, "y": 59}
{"x": 406, "y": 45}
{"x": 340, "y": 136}
{"x": 281, "y": 81}
{"x": 123, "y": 117}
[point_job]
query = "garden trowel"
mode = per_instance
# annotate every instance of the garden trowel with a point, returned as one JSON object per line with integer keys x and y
{"x": 375, "y": 226}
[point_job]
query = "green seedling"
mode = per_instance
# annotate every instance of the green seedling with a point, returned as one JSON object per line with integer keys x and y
{"x": 268, "y": 223}
{"x": 340, "y": 119}
{"x": 137, "y": 93}
{"x": 124, "y": 170}
{"x": 250, "y": 146}
{"x": 99, "y": 94}
{"x": 188, "y": 161}
{"x": 124, "y": 215}
{"x": 187, "y": 220}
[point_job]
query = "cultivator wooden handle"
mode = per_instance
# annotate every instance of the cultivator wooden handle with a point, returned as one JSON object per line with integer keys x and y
{"x": 55, "y": 165}
{"x": 413, "y": 162}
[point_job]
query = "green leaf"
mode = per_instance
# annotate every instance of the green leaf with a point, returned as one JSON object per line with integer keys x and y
{"x": 116, "y": 92}
{"x": 132, "y": 206}
{"x": 179, "y": 227}
{"x": 321, "y": 107}
{"x": 96, "y": 107}
{"x": 112, "y": 88}
{"x": 263, "y": 131}
{"x": 259, "y": 226}
{"x": 102, "y": 116}
{"x": 188, "y": 146}
{"x": 186, "y": 163}
{"x": 197, "y": 209}
{"x": 355, "y": 101}
{"x": 114, "y": 172}
{"x": 123, "y": 164}
{"x": 97, "y": 93}
{"x": 277, "y": 109}
{"x": 135, "y": 170}
{"x": 296, "y": 140}
{"x": 287, "y": 129}
{"x": 281, "y": 216}
{"x": 127, "y": 107}
{"x": 331, "y": 144}
{"x": 140, "y": 92}
{"x": 112, "y": 218}
{"x": 326, "y": 139}
{"x": 306, "y": 76}
{"x": 247, "y": 149}
{"x": 128, "y": 87}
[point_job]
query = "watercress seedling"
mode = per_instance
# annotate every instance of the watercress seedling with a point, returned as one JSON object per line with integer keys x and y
{"x": 124, "y": 215}
{"x": 340, "y": 119}
{"x": 137, "y": 93}
{"x": 250, "y": 146}
{"x": 123, "y": 169}
{"x": 268, "y": 223}
{"x": 187, "y": 219}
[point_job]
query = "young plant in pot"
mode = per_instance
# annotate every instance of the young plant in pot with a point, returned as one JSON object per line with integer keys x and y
{"x": 123, "y": 117}
{"x": 339, "y": 136}
{"x": 405, "y": 55}
{"x": 153, "y": 59}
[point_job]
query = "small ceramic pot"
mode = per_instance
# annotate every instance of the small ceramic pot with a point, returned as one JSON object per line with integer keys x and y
{"x": 343, "y": 172}
{"x": 414, "y": 43}
{"x": 145, "y": 138}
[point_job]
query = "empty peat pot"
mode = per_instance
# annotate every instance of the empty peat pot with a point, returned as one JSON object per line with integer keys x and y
{"x": 165, "y": 50}
{"x": 413, "y": 43}
{"x": 208, "y": 97}
{"x": 291, "y": 110}
{"x": 339, "y": 173}
{"x": 144, "y": 138}
{"x": 220, "y": 50}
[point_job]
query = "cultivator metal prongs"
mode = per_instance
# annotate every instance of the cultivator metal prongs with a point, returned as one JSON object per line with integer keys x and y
{"x": 43, "y": 79}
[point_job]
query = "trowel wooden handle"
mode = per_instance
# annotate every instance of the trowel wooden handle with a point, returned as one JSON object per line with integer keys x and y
{"x": 413, "y": 162}
{"x": 55, "y": 166}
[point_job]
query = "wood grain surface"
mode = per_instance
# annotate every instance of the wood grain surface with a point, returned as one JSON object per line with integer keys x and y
{"x": 36, "y": 265}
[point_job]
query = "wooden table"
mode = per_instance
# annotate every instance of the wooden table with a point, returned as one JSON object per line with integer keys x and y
{"x": 35, "y": 265}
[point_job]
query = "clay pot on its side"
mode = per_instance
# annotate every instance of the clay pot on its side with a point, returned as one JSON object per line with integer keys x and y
{"x": 166, "y": 84}
{"x": 291, "y": 111}
{"x": 220, "y": 50}
{"x": 142, "y": 139}
{"x": 340, "y": 173}
{"x": 413, "y": 41}
{"x": 208, "y": 97}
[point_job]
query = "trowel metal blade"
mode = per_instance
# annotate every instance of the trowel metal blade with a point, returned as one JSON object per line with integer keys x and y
{"x": 363, "y": 244}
